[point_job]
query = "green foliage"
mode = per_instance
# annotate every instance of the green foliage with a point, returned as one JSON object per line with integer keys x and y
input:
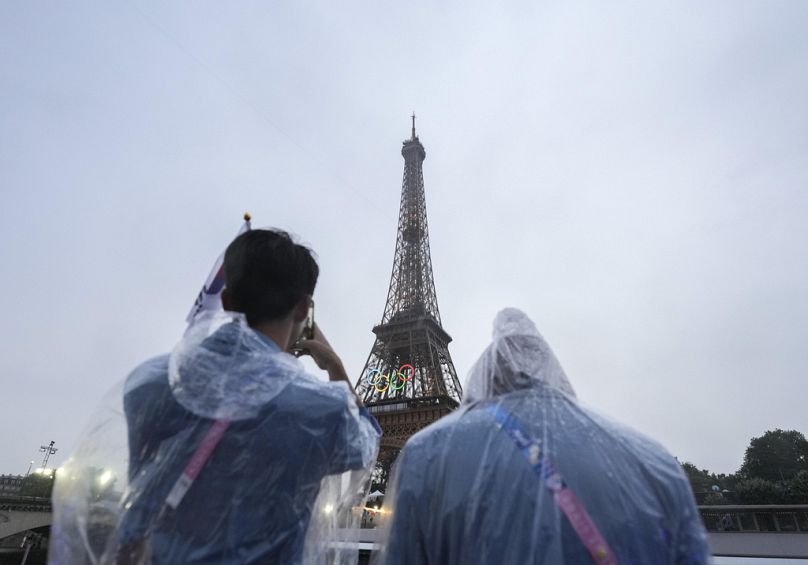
{"x": 699, "y": 479}
{"x": 777, "y": 455}
{"x": 37, "y": 485}
{"x": 380, "y": 475}
{"x": 702, "y": 480}
{"x": 760, "y": 491}
{"x": 798, "y": 488}
{"x": 774, "y": 471}
{"x": 714, "y": 498}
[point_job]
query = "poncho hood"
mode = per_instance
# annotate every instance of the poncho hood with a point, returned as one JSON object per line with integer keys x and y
{"x": 223, "y": 369}
{"x": 517, "y": 358}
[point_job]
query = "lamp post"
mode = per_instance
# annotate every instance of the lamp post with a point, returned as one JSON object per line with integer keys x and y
{"x": 48, "y": 450}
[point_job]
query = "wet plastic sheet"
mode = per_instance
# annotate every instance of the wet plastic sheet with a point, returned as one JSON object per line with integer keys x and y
{"x": 470, "y": 489}
{"x": 285, "y": 468}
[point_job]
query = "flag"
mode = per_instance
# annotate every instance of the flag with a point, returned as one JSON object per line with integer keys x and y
{"x": 210, "y": 297}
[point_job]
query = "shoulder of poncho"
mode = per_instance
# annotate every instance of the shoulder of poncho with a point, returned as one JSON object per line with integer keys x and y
{"x": 648, "y": 452}
{"x": 467, "y": 418}
{"x": 312, "y": 389}
{"x": 630, "y": 439}
{"x": 431, "y": 437}
{"x": 154, "y": 370}
{"x": 473, "y": 420}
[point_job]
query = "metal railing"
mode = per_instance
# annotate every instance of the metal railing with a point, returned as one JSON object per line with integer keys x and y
{"x": 785, "y": 518}
{"x": 25, "y": 504}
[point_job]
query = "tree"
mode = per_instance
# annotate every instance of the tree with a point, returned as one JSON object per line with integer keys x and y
{"x": 702, "y": 481}
{"x": 699, "y": 479}
{"x": 35, "y": 484}
{"x": 777, "y": 455}
{"x": 714, "y": 498}
{"x": 380, "y": 475}
{"x": 798, "y": 488}
{"x": 760, "y": 491}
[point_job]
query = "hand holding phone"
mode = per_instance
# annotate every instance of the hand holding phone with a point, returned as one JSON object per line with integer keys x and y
{"x": 319, "y": 349}
{"x": 308, "y": 333}
{"x": 326, "y": 358}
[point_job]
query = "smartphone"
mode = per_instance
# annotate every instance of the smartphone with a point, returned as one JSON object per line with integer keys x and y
{"x": 308, "y": 332}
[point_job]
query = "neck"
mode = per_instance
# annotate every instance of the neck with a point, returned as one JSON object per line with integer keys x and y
{"x": 279, "y": 331}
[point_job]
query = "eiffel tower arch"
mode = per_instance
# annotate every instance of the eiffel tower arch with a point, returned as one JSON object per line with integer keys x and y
{"x": 409, "y": 379}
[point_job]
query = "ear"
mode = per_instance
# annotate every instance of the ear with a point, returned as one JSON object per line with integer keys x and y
{"x": 227, "y": 300}
{"x": 301, "y": 310}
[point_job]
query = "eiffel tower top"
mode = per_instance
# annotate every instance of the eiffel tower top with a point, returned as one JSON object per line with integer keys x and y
{"x": 412, "y": 286}
{"x": 413, "y": 146}
{"x": 410, "y": 332}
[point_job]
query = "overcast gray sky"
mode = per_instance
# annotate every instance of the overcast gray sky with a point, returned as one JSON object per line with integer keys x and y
{"x": 633, "y": 176}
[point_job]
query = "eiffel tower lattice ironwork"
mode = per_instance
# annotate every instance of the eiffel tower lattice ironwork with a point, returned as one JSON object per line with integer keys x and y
{"x": 409, "y": 379}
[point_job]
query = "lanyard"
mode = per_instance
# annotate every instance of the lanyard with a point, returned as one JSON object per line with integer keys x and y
{"x": 197, "y": 461}
{"x": 572, "y": 508}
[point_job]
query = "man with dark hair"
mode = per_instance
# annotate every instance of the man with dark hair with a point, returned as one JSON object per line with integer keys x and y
{"x": 229, "y": 438}
{"x": 267, "y": 275}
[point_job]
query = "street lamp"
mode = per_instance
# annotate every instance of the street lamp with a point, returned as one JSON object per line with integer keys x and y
{"x": 48, "y": 450}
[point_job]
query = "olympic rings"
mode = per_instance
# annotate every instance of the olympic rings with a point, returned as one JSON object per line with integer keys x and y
{"x": 401, "y": 377}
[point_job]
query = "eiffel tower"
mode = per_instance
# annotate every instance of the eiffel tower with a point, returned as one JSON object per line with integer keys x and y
{"x": 409, "y": 380}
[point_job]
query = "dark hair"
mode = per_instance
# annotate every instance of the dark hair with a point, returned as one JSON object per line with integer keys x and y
{"x": 266, "y": 274}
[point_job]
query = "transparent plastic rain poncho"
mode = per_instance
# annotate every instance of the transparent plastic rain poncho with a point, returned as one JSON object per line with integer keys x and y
{"x": 284, "y": 480}
{"x": 463, "y": 492}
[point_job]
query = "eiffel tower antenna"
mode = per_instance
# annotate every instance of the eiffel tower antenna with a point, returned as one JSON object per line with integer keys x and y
{"x": 409, "y": 379}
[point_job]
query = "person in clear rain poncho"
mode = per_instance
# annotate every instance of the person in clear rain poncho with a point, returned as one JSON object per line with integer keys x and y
{"x": 521, "y": 473}
{"x": 233, "y": 454}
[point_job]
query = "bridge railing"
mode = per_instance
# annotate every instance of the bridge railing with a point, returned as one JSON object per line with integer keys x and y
{"x": 25, "y": 504}
{"x": 756, "y": 518}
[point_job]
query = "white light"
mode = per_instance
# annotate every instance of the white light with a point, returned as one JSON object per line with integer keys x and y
{"x": 105, "y": 477}
{"x": 328, "y": 509}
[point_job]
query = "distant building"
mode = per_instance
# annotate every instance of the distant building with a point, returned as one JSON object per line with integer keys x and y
{"x": 10, "y": 484}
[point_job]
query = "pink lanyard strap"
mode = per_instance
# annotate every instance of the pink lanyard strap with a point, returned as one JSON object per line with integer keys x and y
{"x": 197, "y": 462}
{"x": 566, "y": 500}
